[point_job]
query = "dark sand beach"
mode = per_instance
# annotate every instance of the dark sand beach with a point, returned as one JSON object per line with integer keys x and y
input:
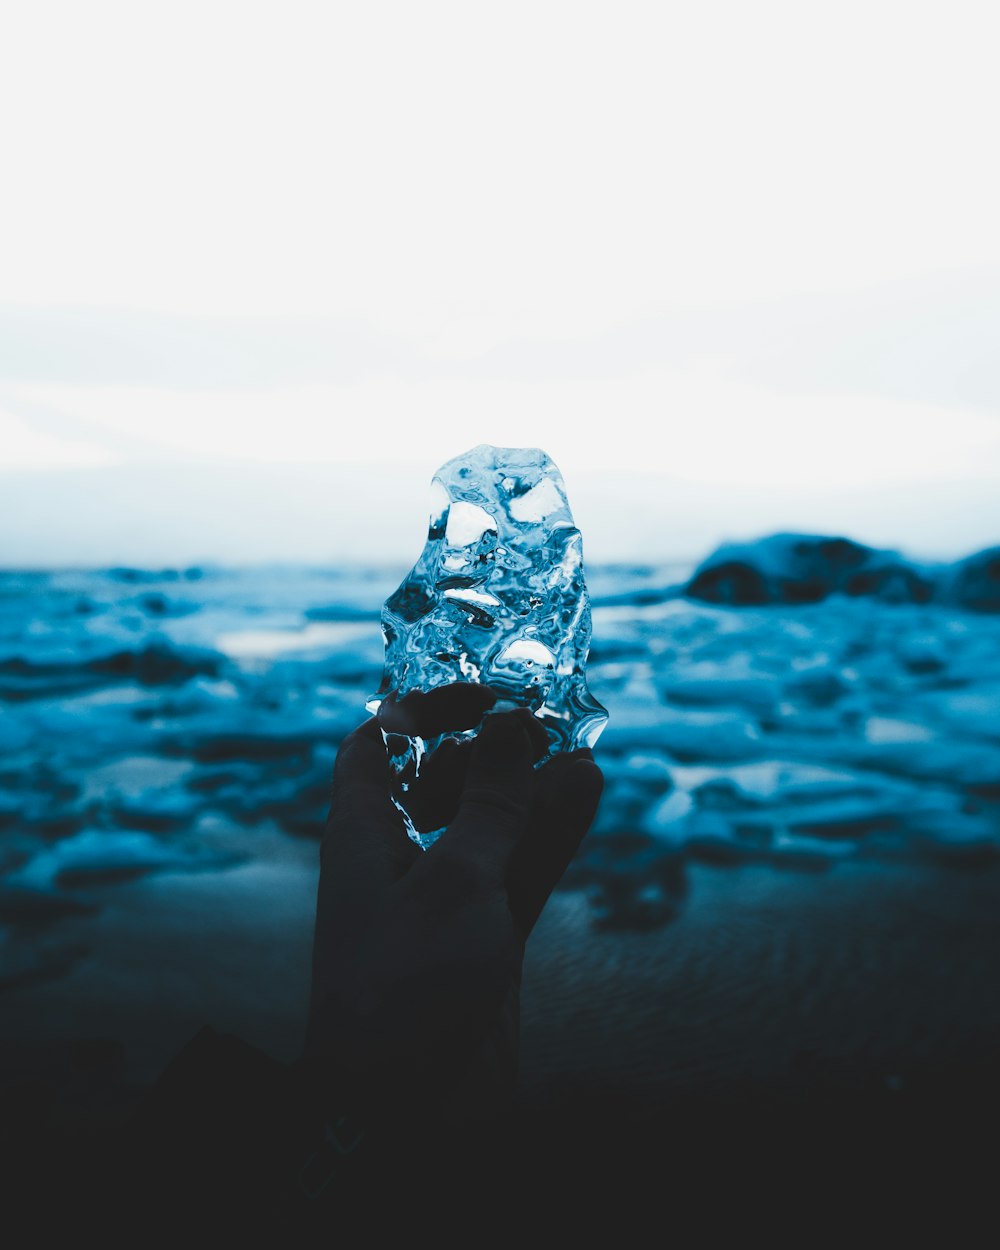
{"x": 790, "y": 1039}
{"x": 767, "y": 979}
{"x": 770, "y": 984}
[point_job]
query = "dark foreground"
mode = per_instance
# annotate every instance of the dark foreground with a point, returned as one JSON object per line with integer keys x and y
{"x": 792, "y": 1037}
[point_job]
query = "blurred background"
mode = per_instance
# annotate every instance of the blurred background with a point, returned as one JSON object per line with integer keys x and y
{"x": 736, "y": 269}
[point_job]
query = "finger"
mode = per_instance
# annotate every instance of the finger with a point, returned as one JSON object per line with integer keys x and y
{"x": 537, "y": 735}
{"x": 365, "y": 849}
{"x": 568, "y": 794}
{"x": 434, "y": 795}
{"x": 495, "y": 806}
{"x": 365, "y": 845}
{"x": 427, "y": 714}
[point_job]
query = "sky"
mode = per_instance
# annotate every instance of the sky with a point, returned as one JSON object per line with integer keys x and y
{"x": 264, "y": 267}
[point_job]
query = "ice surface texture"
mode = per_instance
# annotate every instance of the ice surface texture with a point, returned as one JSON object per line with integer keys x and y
{"x": 498, "y": 594}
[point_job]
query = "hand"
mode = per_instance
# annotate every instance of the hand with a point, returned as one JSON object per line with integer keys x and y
{"x": 417, "y": 955}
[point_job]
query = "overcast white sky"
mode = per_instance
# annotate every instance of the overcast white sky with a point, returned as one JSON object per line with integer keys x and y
{"x": 734, "y": 266}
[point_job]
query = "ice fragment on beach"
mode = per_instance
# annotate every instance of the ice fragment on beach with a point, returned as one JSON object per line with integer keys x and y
{"x": 498, "y": 594}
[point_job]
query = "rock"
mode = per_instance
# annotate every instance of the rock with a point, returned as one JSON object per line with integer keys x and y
{"x": 158, "y": 663}
{"x": 975, "y": 582}
{"x": 803, "y": 568}
{"x": 134, "y": 577}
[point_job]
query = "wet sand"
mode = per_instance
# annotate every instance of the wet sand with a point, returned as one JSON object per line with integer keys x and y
{"x": 798, "y": 1049}
{"x": 770, "y": 983}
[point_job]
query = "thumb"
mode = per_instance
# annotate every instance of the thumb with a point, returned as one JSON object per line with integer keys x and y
{"x": 569, "y": 791}
{"x": 496, "y": 799}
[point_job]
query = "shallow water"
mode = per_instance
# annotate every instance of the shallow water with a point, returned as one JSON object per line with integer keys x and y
{"x": 152, "y": 720}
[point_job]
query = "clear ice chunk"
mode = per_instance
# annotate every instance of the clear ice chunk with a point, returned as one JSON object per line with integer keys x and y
{"x": 497, "y": 596}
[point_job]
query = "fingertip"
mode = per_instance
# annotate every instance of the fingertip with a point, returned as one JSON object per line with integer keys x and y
{"x": 568, "y": 802}
{"x": 561, "y": 761}
{"x": 370, "y": 730}
{"x": 364, "y": 744}
{"x": 574, "y": 787}
{"x": 428, "y": 713}
{"x": 496, "y": 797}
{"x": 505, "y": 735}
{"x": 363, "y": 824}
{"x": 588, "y": 778}
{"x": 585, "y": 765}
{"x": 582, "y": 762}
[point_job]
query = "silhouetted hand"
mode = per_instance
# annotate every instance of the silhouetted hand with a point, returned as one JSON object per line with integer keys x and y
{"x": 417, "y": 955}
